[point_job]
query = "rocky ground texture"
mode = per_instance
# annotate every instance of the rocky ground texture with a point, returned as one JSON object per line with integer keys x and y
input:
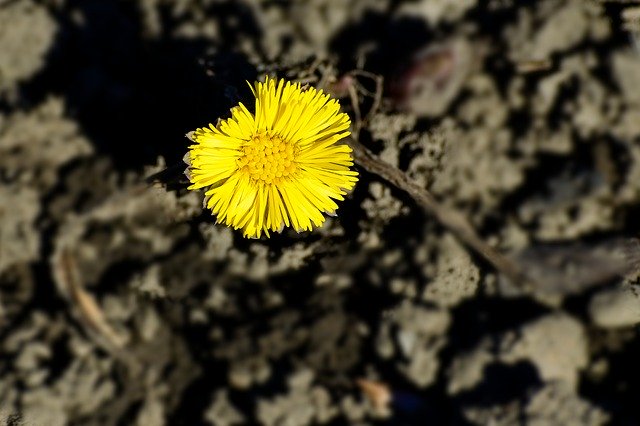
{"x": 125, "y": 304}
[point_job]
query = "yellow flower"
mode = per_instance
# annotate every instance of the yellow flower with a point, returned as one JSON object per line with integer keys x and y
{"x": 281, "y": 166}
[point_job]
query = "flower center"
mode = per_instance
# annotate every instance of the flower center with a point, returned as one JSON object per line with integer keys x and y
{"x": 268, "y": 158}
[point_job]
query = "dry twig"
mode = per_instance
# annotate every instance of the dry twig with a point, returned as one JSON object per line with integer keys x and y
{"x": 89, "y": 310}
{"x": 533, "y": 65}
{"x": 356, "y": 88}
{"x": 450, "y": 219}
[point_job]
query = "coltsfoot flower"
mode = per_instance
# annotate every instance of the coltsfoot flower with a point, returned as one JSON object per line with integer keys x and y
{"x": 280, "y": 166}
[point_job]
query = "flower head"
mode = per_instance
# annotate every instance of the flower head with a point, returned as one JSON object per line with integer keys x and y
{"x": 280, "y": 166}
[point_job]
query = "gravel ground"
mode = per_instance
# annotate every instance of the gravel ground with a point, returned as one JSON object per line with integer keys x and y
{"x": 125, "y": 304}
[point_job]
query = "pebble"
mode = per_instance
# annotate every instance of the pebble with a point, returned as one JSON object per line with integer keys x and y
{"x": 616, "y": 307}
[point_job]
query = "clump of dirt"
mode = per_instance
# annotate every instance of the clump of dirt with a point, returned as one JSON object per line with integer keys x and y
{"x": 122, "y": 302}
{"x": 27, "y": 34}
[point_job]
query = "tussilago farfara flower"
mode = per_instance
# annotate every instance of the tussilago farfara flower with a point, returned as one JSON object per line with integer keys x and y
{"x": 280, "y": 166}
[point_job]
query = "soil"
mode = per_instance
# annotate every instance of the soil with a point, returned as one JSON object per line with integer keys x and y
{"x": 123, "y": 303}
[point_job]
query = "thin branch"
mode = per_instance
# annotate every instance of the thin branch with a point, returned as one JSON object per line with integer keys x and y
{"x": 355, "y": 103}
{"x": 89, "y": 309}
{"x": 90, "y": 312}
{"x": 450, "y": 219}
{"x": 377, "y": 99}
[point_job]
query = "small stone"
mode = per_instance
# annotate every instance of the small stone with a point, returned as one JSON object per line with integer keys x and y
{"x": 626, "y": 67}
{"x": 467, "y": 370}
{"x": 616, "y": 307}
{"x": 27, "y": 32}
{"x": 556, "y": 344}
{"x": 222, "y": 412}
{"x": 456, "y": 277}
{"x": 556, "y": 404}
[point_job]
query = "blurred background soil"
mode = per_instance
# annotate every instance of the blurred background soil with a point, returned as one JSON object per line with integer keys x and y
{"x": 124, "y": 304}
